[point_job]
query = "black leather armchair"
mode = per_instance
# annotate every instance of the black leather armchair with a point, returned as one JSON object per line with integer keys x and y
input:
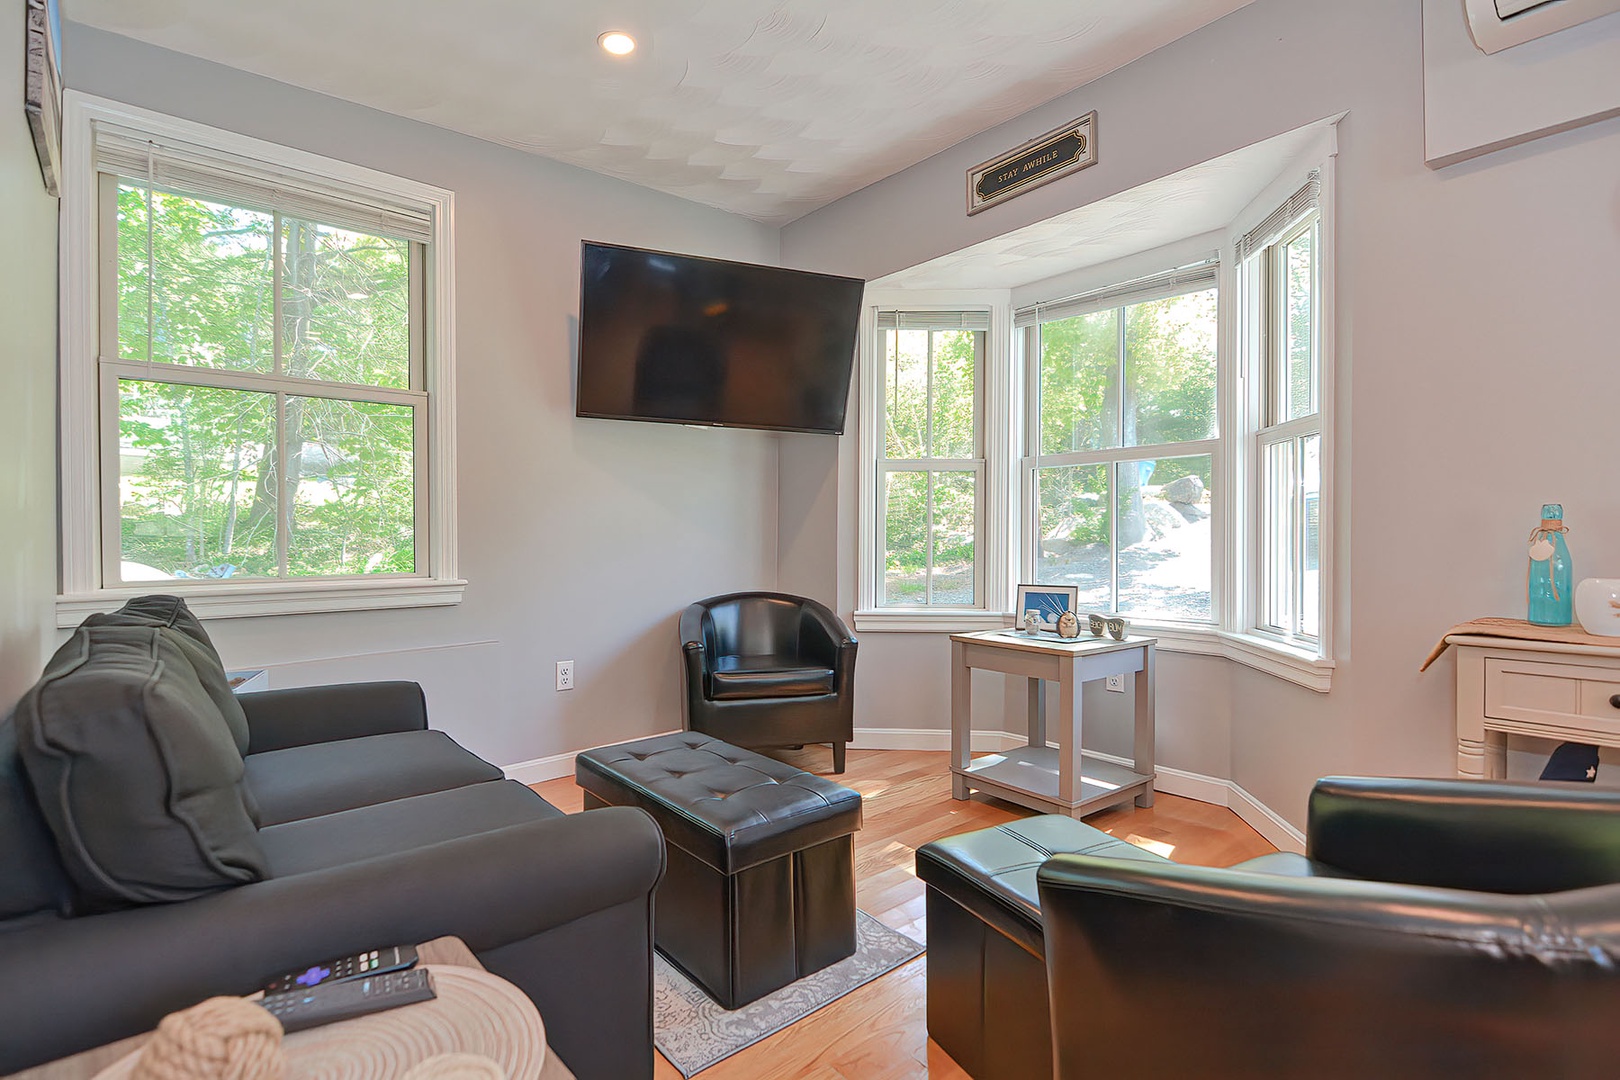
{"x": 769, "y": 669}
{"x": 1437, "y": 928}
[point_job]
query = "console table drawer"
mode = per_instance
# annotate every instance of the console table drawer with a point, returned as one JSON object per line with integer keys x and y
{"x": 1516, "y": 690}
{"x": 1598, "y": 700}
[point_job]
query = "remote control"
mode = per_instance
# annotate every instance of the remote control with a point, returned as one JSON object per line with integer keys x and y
{"x": 354, "y": 997}
{"x": 375, "y": 962}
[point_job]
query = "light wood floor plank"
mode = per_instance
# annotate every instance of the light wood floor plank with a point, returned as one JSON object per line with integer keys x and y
{"x": 879, "y": 1031}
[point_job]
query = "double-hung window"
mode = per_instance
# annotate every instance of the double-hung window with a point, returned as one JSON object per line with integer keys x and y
{"x": 930, "y": 468}
{"x": 258, "y": 358}
{"x": 1120, "y": 468}
{"x": 1282, "y": 274}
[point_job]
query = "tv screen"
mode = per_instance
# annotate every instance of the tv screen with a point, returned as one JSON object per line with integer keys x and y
{"x": 687, "y": 340}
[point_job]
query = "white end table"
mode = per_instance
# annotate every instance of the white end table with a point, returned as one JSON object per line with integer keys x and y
{"x": 1056, "y": 779}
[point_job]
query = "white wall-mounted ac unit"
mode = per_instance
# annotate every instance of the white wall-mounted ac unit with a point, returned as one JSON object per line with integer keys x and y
{"x": 1500, "y": 24}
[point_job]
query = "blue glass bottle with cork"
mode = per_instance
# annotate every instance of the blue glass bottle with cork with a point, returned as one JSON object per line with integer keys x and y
{"x": 1552, "y": 577}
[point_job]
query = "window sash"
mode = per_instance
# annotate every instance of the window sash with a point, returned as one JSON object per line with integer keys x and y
{"x": 1285, "y": 526}
{"x": 1275, "y": 265}
{"x": 887, "y": 322}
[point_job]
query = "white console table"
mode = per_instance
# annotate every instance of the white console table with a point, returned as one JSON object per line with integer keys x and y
{"x": 1546, "y": 689}
{"x": 1056, "y": 780}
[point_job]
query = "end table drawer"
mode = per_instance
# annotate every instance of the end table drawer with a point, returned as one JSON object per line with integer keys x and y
{"x": 1598, "y": 700}
{"x": 1515, "y": 690}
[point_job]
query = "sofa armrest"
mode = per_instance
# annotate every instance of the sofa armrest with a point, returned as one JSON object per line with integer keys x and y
{"x": 298, "y": 716}
{"x": 1488, "y": 835}
{"x": 76, "y": 983}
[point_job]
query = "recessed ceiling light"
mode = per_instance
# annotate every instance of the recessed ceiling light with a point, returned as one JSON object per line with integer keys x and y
{"x": 617, "y": 42}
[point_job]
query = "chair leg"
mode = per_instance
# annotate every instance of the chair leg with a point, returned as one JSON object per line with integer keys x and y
{"x": 838, "y": 757}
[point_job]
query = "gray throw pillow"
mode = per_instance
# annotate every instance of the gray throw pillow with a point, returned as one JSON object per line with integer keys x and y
{"x": 172, "y": 612}
{"x": 135, "y": 772}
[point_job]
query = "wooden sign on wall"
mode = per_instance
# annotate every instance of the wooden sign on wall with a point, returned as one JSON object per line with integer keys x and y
{"x": 1059, "y": 152}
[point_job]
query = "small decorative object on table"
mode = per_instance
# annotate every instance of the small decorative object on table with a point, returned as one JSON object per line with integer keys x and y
{"x": 1047, "y": 601}
{"x": 1597, "y": 603}
{"x": 1097, "y": 625}
{"x": 1551, "y": 584}
{"x": 1032, "y": 623}
{"x": 1068, "y": 625}
{"x": 1118, "y": 626}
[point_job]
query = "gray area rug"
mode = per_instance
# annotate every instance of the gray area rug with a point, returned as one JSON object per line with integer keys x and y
{"x": 693, "y": 1032}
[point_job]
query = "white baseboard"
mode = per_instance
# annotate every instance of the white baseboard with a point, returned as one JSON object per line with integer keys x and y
{"x": 1266, "y": 821}
{"x": 539, "y": 770}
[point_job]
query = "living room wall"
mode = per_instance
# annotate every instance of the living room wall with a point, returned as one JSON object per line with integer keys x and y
{"x": 580, "y": 539}
{"x": 28, "y": 374}
{"x": 1477, "y": 374}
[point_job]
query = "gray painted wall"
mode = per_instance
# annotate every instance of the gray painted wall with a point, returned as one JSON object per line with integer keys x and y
{"x": 1476, "y": 347}
{"x": 580, "y": 539}
{"x": 28, "y": 375}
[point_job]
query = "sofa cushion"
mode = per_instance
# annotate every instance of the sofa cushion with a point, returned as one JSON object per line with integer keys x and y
{"x": 31, "y": 875}
{"x": 134, "y": 771}
{"x": 325, "y": 778}
{"x": 171, "y": 613}
{"x": 766, "y": 676}
{"x": 368, "y": 832}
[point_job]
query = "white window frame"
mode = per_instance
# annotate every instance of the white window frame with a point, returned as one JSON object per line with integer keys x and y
{"x": 993, "y": 468}
{"x": 88, "y": 517}
{"x": 1032, "y": 461}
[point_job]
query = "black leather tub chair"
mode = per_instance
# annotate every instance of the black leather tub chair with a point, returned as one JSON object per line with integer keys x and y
{"x": 1437, "y": 928}
{"x": 769, "y": 669}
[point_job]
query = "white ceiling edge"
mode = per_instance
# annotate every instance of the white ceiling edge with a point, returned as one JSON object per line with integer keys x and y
{"x": 1202, "y": 199}
{"x": 768, "y": 111}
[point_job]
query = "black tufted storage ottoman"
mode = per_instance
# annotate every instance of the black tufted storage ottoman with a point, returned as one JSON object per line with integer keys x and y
{"x": 760, "y": 888}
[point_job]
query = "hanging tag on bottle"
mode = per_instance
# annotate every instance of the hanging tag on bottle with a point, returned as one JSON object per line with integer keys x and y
{"x": 1541, "y": 549}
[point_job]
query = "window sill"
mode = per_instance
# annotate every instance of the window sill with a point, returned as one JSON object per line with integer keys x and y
{"x": 900, "y": 621}
{"x": 245, "y": 600}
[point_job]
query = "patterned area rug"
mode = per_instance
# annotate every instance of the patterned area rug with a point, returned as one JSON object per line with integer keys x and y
{"x": 693, "y": 1032}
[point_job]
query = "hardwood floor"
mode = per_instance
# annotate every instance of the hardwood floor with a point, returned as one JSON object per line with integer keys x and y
{"x": 878, "y": 1031}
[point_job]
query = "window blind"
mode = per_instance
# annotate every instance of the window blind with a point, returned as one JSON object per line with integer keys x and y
{"x": 1301, "y": 202}
{"x": 255, "y": 185}
{"x": 933, "y": 320}
{"x": 1185, "y": 279}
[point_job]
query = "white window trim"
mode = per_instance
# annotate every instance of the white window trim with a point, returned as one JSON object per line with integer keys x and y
{"x": 81, "y": 590}
{"x": 1244, "y": 640}
{"x": 996, "y": 423}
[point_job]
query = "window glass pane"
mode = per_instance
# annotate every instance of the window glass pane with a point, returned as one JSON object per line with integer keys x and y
{"x": 1165, "y": 561}
{"x": 1074, "y": 511}
{"x": 905, "y": 393}
{"x": 955, "y": 514}
{"x": 1170, "y": 370}
{"x": 1080, "y": 383}
{"x": 354, "y": 506}
{"x": 197, "y": 484}
{"x": 955, "y": 361}
{"x": 1277, "y": 536}
{"x": 345, "y": 305}
{"x": 213, "y": 301}
{"x": 1310, "y": 571}
{"x": 905, "y": 538}
{"x": 1299, "y": 261}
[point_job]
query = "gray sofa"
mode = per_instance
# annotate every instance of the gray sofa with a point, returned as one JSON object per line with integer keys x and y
{"x": 164, "y": 840}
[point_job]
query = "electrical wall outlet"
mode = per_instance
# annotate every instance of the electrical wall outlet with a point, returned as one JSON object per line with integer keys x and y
{"x": 1114, "y": 684}
{"x": 565, "y": 674}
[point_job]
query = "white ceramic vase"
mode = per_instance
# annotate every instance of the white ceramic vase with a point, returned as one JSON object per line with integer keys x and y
{"x": 1597, "y": 605}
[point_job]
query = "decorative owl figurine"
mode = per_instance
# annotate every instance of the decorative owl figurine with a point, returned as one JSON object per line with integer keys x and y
{"x": 1068, "y": 625}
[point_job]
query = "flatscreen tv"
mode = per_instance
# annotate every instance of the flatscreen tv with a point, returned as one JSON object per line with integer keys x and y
{"x": 686, "y": 340}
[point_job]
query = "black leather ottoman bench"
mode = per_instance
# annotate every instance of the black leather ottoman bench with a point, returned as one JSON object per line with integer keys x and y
{"x": 987, "y": 1003}
{"x": 760, "y": 885}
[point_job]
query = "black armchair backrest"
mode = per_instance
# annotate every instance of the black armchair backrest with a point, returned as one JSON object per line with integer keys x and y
{"x": 1496, "y": 836}
{"x": 753, "y": 624}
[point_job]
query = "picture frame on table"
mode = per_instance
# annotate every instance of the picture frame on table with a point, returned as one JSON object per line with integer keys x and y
{"x": 1050, "y": 601}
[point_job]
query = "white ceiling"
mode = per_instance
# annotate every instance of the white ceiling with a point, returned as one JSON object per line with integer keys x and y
{"x": 766, "y": 108}
{"x": 1193, "y": 202}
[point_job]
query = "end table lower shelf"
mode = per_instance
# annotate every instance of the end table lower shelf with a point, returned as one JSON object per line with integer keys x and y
{"x": 1029, "y": 777}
